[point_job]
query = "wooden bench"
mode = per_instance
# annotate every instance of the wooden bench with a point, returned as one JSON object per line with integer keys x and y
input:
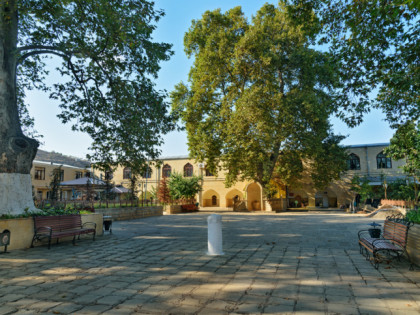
{"x": 61, "y": 226}
{"x": 392, "y": 241}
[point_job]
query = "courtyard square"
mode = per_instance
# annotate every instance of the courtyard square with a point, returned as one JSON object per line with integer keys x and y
{"x": 285, "y": 263}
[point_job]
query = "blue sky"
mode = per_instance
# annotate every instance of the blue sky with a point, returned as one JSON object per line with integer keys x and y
{"x": 171, "y": 29}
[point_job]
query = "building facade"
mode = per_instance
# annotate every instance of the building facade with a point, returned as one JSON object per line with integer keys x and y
{"x": 363, "y": 160}
{"x": 42, "y": 174}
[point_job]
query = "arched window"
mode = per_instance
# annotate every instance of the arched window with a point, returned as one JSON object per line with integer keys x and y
{"x": 108, "y": 175}
{"x": 208, "y": 173}
{"x": 166, "y": 170}
{"x": 127, "y": 173}
{"x": 148, "y": 172}
{"x": 382, "y": 161}
{"x": 353, "y": 162}
{"x": 214, "y": 200}
{"x": 188, "y": 170}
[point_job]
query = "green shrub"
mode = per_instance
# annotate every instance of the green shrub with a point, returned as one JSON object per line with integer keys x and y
{"x": 413, "y": 215}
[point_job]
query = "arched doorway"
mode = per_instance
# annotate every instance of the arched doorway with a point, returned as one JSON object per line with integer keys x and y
{"x": 326, "y": 199}
{"x": 232, "y": 196}
{"x": 254, "y": 197}
{"x": 211, "y": 198}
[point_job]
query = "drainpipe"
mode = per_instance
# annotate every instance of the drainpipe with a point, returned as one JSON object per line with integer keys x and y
{"x": 367, "y": 162}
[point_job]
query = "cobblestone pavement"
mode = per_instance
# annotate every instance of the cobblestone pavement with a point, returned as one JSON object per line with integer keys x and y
{"x": 273, "y": 264}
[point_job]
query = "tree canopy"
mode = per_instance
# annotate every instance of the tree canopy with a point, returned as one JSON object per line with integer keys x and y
{"x": 108, "y": 63}
{"x": 258, "y": 95}
{"x": 405, "y": 144}
{"x": 377, "y": 45}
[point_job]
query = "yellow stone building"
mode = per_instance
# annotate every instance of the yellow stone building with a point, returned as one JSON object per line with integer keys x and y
{"x": 42, "y": 174}
{"x": 364, "y": 160}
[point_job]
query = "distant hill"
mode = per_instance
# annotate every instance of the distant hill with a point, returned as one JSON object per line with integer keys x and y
{"x": 59, "y": 158}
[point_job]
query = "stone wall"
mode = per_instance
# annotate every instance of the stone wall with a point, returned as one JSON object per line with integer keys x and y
{"x": 130, "y": 213}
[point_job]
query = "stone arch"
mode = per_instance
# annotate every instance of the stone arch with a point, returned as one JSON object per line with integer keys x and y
{"x": 211, "y": 198}
{"x": 326, "y": 199}
{"x": 231, "y": 195}
{"x": 254, "y": 196}
{"x": 298, "y": 198}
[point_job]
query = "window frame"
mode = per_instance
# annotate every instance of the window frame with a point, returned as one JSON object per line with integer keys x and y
{"x": 351, "y": 158}
{"x": 42, "y": 170}
{"x": 188, "y": 170}
{"x": 127, "y": 173}
{"x": 208, "y": 173}
{"x": 166, "y": 171}
{"x": 382, "y": 161}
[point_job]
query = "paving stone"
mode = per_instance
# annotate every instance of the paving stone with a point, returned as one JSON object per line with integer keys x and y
{"x": 152, "y": 266}
{"x": 94, "y": 309}
{"x": 66, "y": 308}
{"x": 6, "y": 309}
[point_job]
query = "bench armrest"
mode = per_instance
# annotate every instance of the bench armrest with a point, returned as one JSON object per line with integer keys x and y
{"x": 89, "y": 224}
{"x": 361, "y": 233}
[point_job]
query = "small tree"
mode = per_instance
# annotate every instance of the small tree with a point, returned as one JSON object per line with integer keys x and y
{"x": 360, "y": 185}
{"x": 405, "y": 144}
{"x": 55, "y": 184}
{"x": 163, "y": 194}
{"x": 184, "y": 188}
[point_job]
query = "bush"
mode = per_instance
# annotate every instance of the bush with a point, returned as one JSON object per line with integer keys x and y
{"x": 413, "y": 215}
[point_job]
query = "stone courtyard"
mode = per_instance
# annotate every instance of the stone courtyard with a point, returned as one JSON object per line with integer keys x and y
{"x": 286, "y": 263}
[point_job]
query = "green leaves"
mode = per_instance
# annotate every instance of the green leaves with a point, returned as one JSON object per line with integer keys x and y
{"x": 405, "y": 144}
{"x": 376, "y": 44}
{"x": 108, "y": 63}
{"x": 257, "y": 90}
{"x": 182, "y": 187}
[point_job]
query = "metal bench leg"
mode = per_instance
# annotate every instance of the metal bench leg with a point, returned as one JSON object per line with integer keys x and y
{"x": 74, "y": 240}
{"x": 33, "y": 240}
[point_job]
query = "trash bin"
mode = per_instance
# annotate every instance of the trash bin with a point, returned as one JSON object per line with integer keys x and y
{"x": 107, "y": 223}
{"x": 5, "y": 239}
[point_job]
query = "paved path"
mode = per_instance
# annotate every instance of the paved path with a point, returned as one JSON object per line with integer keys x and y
{"x": 273, "y": 264}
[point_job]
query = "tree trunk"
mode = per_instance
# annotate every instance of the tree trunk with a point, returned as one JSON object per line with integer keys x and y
{"x": 16, "y": 150}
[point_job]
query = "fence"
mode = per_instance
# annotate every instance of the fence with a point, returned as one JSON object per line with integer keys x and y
{"x": 94, "y": 204}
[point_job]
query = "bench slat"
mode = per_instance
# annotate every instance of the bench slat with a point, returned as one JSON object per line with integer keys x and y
{"x": 59, "y": 226}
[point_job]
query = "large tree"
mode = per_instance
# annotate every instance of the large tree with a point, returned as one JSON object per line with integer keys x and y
{"x": 258, "y": 94}
{"x": 405, "y": 144}
{"x": 108, "y": 62}
{"x": 377, "y": 44}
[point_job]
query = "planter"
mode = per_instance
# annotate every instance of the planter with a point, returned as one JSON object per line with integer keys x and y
{"x": 413, "y": 243}
{"x": 22, "y": 230}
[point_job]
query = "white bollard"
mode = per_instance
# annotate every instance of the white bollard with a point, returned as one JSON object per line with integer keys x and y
{"x": 215, "y": 246}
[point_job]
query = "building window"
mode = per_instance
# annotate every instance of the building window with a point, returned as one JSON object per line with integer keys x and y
{"x": 208, "y": 173}
{"x": 382, "y": 161}
{"x": 213, "y": 200}
{"x": 108, "y": 175}
{"x": 60, "y": 173}
{"x": 79, "y": 175}
{"x": 148, "y": 173}
{"x": 39, "y": 173}
{"x": 166, "y": 170}
{"x": 127, "y": 173}
{"x": 87, "y": 174}
{"x": 188, "y": 170}
{"x": 353, "y": 162}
